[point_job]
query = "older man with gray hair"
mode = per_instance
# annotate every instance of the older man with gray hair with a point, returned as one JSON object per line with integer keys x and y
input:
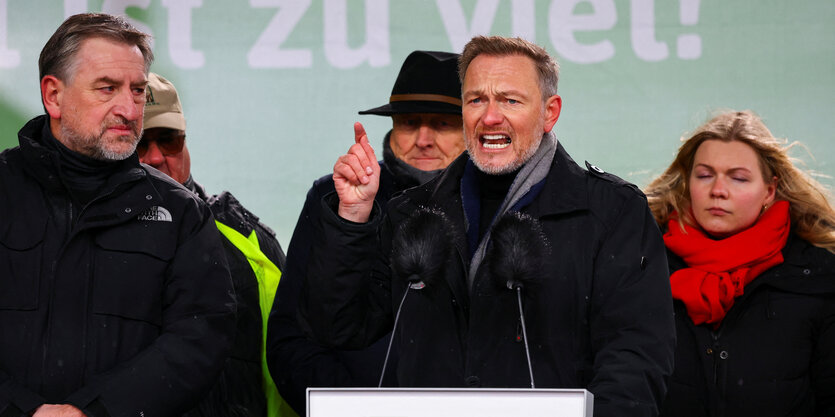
{"x": 115, "y": 298}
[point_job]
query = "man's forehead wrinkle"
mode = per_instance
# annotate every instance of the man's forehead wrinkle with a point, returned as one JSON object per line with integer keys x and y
{"x": 474, "y": 91}
{"x": 107, "y": 79}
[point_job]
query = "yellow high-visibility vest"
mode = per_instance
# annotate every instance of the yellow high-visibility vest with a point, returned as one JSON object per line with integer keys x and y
{"x": 268, "y": 276}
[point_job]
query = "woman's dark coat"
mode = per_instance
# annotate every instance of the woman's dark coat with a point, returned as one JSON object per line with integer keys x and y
{"x": 774, "y": 353}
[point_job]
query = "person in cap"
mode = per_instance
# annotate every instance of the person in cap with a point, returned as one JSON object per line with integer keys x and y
{"x": 115, "y": 297}
{"x": 245, "y": 387}
{"x": 514, "y": 224}
{"x": 425, "y": 107}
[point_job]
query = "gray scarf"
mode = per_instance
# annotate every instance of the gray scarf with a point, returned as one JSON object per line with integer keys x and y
{"x": 534, "y": 171}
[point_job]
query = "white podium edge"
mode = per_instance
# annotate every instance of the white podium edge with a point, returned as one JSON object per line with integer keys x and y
{"x": 588, "y": 397}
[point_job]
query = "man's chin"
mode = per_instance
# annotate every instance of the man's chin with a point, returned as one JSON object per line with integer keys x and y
{"x": 428, "y": 166}
{"x": 493, "y": 166}
{"x": 118, "y": 149}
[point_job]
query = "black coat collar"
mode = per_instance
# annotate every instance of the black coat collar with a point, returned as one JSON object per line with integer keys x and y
{"x": 566, "y": 188}
{"x": 565, "y": 191}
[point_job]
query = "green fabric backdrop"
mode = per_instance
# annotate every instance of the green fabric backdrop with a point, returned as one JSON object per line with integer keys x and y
{"x": 271, "y": 88}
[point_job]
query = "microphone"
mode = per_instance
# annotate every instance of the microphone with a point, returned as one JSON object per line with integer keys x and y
{"x": 515, "y": 258}
{"x": 420, "y": 246}
{"x": 420, "y": 249}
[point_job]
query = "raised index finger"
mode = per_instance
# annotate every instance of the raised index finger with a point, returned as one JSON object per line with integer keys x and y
{"x": 359, "y": 132}
{"x": 365, "y": 158}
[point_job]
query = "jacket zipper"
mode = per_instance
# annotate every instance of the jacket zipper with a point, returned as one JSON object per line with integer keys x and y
{"x": 52, "y": 278}
{"x": 715, "y": 354}
{"x": 71, "y": 230}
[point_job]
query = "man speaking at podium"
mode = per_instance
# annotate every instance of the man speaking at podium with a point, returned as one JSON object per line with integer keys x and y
{"x": 512, "y": 226}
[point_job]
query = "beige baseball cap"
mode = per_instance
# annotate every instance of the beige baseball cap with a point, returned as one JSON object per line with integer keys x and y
{"x": 162, "y": 105}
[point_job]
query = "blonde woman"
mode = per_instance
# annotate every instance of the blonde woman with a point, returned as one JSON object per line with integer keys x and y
{"x": 751, "y": 248}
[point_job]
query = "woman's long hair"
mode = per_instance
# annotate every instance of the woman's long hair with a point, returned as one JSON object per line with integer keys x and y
{"x": 812, "y": 216}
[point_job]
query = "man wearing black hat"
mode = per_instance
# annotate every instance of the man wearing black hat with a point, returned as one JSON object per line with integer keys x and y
{"x": 426, "y": 136}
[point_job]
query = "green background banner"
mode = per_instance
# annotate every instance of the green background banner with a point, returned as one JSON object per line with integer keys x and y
{"x": 271, "y": 88}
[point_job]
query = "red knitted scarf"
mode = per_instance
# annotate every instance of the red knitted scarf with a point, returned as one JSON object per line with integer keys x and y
{"x": 718, "y": 270}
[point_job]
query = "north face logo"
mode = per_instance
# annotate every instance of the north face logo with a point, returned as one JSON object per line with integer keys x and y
{"x": 155, "y": 214}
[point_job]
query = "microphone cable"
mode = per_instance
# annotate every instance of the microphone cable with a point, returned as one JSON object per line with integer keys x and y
{"x": 420, "y": 248}
{"x": 524, "y": 332}
{"x": 516, "y": 257}
{"x": 417, "y": 285}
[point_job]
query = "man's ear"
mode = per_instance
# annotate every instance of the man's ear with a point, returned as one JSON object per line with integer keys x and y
{"x": 52, "y": 91}
{"x": 553, "y": 106}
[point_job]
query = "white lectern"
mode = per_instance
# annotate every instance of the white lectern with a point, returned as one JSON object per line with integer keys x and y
{"x": 448, "y": 402}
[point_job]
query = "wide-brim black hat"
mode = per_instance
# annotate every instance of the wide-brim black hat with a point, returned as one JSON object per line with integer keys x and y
{"x": 427, "y": 83}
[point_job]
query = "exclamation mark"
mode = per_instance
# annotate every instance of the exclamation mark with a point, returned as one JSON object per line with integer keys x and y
{"x": 689, "y": 46}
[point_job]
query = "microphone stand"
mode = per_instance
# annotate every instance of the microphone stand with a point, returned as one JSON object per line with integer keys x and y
{"x": 524, "y": 332}
{"x": 416, "y": 285}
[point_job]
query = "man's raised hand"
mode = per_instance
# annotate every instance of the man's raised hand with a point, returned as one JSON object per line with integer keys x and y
{"x": 356, "y": 177}
{"x": 58, "y": 410}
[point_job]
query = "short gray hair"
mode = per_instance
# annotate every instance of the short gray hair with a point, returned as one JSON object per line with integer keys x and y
{"x": 57, "y": 55}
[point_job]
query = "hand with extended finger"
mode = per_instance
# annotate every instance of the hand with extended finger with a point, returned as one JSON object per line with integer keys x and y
{"x": 356, "y": 176}
{"x": 57, "y": 410}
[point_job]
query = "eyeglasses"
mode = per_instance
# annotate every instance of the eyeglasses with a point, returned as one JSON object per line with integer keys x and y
{"x": 169, "y": 143}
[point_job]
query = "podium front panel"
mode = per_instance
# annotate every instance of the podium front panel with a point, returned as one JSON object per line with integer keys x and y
{"x": 453, "y": 402}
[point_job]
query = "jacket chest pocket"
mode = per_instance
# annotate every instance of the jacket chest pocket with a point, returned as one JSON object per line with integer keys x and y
{"x": 130, "y": 272}
{"x": 789, "y": 332}
{"x": 21, "y": 257}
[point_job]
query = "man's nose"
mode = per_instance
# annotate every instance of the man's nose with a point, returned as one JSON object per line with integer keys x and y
{"x": 492, "y": 114}
{"x": 153, "y": 155}
{"x": 426, "y": 136}
{"x": 127, "y": 106}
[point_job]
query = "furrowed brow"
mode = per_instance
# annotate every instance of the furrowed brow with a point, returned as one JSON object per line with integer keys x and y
{"x": 107, "y": 80}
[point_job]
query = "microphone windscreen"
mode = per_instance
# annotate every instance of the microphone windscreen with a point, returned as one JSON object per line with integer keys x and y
{"x": 421, "y": 245}
{"x": 517, "y": 250}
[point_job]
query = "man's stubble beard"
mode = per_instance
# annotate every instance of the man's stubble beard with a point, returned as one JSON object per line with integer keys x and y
{"x": 513, "y": 165}
{"x": 94, "y": 145}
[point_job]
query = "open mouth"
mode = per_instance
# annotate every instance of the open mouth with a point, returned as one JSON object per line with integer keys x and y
{"x": 495, "y": 141}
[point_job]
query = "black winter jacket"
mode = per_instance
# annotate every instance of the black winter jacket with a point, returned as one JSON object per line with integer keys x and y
{"x": 295, "y": 361}
{"x": 773, "y": 354}
{"x": 239, "y": 391}
{"x": 126, "y": 310}
{"x": 601, "y": 318}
